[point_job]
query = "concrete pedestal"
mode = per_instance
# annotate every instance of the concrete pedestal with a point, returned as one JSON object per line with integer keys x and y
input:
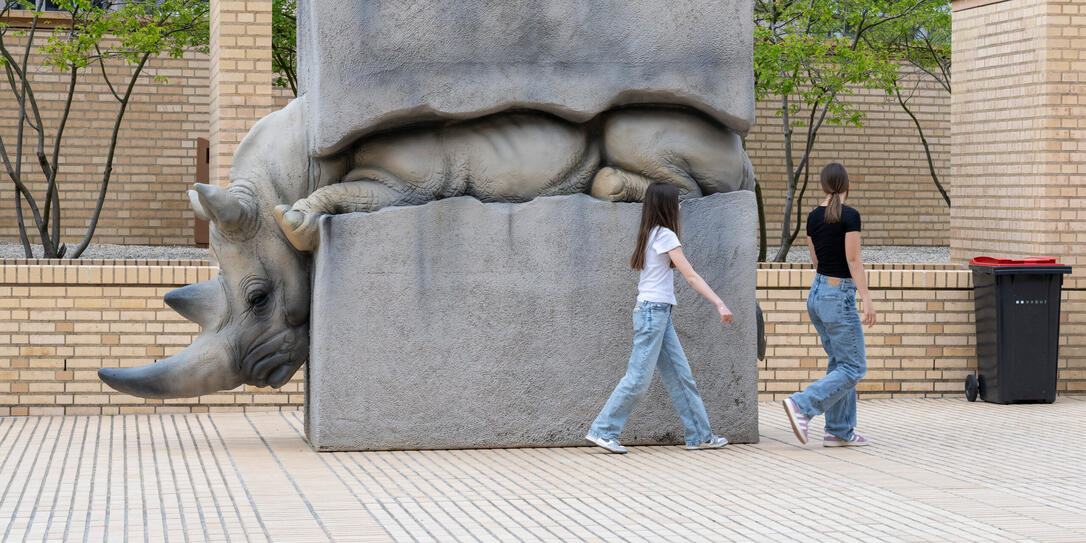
{"x": 459, "y": 324}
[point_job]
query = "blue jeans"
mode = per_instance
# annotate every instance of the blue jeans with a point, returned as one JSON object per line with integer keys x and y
{"x": 833, "y": 312}
{"x": 655, "y": 346}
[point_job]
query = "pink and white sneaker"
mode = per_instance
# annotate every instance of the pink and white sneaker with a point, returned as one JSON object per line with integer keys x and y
{"x": 833, "y": 441}
{"x": 798, "y": 419}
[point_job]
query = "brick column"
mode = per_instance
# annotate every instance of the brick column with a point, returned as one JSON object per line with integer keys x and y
{"x": 1018, "y": 117}
{"x": 241, "y": 76}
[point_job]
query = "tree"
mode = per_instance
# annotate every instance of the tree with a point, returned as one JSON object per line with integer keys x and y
{"x": 809, "y": 55}
{"x": 90, "y": 33}
{"x": 921, "y": 44}
{"x": 284, "y": 39}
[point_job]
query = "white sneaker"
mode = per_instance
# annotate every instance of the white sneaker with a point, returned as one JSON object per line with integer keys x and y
{"x": 714, "y": 442}
{"x": 833, "y": 441}
{"x": 797, "y": 418}
{"x": 610, "y": 444}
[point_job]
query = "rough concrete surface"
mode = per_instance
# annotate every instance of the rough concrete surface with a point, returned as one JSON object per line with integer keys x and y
{"x": 367, "y": 66}
{"x": 463, "y": 324}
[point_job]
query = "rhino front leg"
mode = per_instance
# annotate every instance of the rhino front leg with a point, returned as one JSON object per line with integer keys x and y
{"x": 618, "y": 185}
{"x": 300, "y": 221}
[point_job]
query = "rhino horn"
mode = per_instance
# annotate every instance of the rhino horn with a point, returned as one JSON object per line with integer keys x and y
{"x": 202, "y": 368}
{"x": 221, "y": 207}
{"x": 202, "y": 303}
{"x": 197, "y": 207}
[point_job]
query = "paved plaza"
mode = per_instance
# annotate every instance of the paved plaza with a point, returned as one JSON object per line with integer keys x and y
{"x": 939, "y": 470}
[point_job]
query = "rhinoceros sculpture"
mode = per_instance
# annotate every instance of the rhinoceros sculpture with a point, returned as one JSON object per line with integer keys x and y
{"x": 400, "y": 106}
{"x": 254, "y": 315}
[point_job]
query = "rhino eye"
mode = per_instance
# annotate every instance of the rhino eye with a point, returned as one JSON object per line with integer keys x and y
{"x": 258, "y": 299}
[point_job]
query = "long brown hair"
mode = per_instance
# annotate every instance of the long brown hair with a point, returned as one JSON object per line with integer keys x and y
{"x": 661, "y": 208}
{"x": 834, "y": 180}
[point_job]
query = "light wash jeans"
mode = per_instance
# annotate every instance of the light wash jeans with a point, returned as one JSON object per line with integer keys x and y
{"x": 655, "y": 346}
{"x": 833, "y": 312}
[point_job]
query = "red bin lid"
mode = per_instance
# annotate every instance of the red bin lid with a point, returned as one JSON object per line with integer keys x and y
{"x": 1028, "y": 261}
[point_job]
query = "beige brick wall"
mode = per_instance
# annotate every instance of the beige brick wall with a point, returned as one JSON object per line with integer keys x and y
{"x": 1019, "y": 131}
{"x": 240, "y": 76}
{"x": 891, "y": 184}
{"x": 60, "y": 323}
{"x": 155, "y": 155}
{"x": 925, "y": 341}
{"x": 156, "y": 152}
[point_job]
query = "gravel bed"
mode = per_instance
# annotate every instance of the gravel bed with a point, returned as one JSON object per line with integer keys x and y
{"x": 116, "y": 252}
{"x": 884, "y": 254}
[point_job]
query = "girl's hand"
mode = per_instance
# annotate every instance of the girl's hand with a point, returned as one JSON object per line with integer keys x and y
{"x": 869, "y": 317}
{"x": 725, "y": 314}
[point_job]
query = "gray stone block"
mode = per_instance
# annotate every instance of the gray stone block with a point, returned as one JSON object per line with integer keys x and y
{"x": 460, "y": 324}
{"x": 378, "y": 64}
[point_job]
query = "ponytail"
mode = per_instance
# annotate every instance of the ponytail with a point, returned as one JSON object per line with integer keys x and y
{"x": 833, "y": 209}
{"x": 834, "y": 181}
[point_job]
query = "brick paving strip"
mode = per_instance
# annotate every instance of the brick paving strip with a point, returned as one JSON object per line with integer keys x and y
{"x": 939, "y": 470}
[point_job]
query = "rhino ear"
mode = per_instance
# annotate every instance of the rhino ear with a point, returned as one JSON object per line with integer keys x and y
{"x": 220, "y": 206}
{"x": 197, "y": 207}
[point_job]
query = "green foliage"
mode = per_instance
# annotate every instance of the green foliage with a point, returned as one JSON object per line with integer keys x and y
{"x": 82, "y": 36}
{"x": 814, "y": 52}
{"x": 809, "y": 56}
{"x": 138, "y": 27}
{"x": 920, "y": 41}
{"x": 284, "y": 38}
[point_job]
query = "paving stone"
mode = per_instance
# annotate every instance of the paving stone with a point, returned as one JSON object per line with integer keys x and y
{"x": 938, "y": 470}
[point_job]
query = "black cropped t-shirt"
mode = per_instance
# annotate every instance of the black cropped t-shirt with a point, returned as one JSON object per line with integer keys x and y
{"x": 829, "y": 240}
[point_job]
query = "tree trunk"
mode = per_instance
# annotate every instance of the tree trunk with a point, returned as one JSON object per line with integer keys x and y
{"x": 927, "y": 150}
{"x": 763, "y": 243}
{"x": 791, "y": 183}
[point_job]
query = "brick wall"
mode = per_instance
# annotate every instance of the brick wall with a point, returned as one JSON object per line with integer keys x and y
{"x": 60, "y": 323}
{"x": 888, "y": 170}
{"x": 924, "y": 344}
{"x": 155, "y": 154}
{"x": 240, "y": 76}
{"x": 1019, "y": 131}
{"x": 156, "y": 151}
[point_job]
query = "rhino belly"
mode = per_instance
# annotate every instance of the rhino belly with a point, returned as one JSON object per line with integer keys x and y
{"x": 507, "y": 157}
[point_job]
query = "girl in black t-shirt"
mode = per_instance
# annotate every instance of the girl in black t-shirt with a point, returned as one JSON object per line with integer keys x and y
{"x": 833, "y": 237}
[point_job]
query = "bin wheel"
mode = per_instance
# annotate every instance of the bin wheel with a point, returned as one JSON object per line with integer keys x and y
{"x": 971, "y": 388}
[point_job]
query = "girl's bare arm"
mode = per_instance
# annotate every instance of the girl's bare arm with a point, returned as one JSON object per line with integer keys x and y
{"x": 856, "y": 268}
{"x": 699, "y": 284}
{"x": 814, "y": 256}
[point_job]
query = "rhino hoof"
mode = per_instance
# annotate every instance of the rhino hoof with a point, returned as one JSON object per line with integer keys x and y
{"x": 299, "y": 227}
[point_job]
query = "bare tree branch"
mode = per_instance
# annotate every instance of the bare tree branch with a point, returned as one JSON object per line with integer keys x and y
{"x": 105, "y": 75}
{"x": 52, "y": 192}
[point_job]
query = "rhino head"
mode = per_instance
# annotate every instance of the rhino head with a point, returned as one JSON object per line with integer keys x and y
{"x": 254, "y": 316}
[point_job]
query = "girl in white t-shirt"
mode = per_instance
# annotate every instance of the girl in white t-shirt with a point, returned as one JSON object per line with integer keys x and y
{"x": 655, "y": 343}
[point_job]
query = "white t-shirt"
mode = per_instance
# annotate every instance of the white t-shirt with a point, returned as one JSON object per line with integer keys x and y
{"x": 657, "y": 283}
